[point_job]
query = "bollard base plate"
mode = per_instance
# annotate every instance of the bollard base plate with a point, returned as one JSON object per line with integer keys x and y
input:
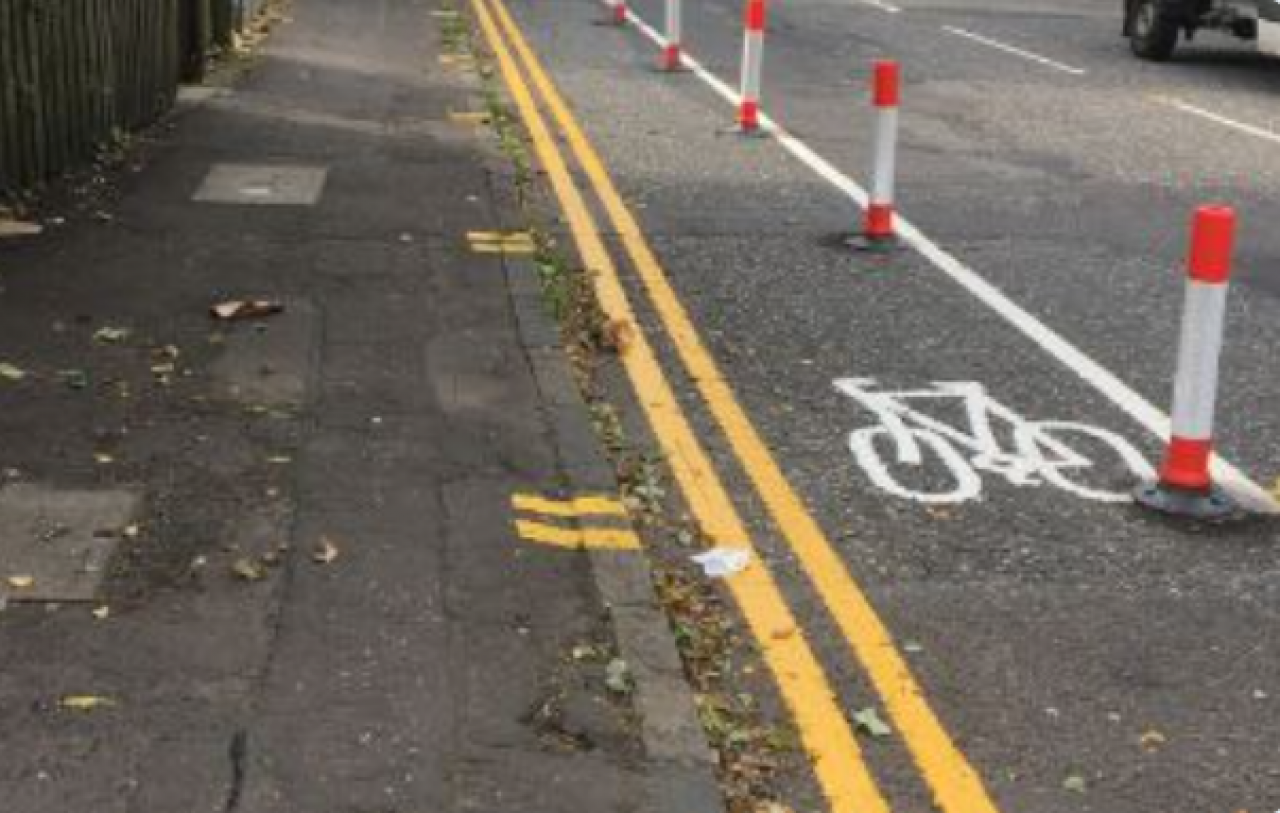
{"x": 873, "y": 245}
{"x": 1206, "y": 506}
{"x": 744, "y": 132}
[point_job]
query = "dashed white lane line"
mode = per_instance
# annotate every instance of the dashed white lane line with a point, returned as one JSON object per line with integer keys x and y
{"x": 1218, "y": 118}
{"x": 1014, "y": 50}
{"x": 1130, "y": 401}
{"x": 883, "y": 6}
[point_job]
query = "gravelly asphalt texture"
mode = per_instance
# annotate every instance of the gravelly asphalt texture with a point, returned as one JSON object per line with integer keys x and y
{"x": 1052, "y": 632}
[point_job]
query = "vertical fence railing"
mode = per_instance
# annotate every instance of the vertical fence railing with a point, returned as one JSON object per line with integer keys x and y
{"x": 76, "y": 73}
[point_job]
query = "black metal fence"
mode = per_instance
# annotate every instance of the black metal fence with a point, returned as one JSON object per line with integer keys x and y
{"x": 74, "y": 74}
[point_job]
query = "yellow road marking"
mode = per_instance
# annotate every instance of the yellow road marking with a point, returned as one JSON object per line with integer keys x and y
{"x": 576, "y": 507}
{"x": 499, "y": 242}
{"x": 578, "y": 538}
{"x": 837, "y": 760}
{"x": 956, "y": 786}
{"x": 469, "y": 117}
{"x": 498, "y": 248}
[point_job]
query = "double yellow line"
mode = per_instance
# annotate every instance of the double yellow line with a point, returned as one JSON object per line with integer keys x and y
{"x": 837, "y": 760}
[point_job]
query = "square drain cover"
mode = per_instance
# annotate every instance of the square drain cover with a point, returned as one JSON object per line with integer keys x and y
{"x": 54, "y": 545}
{"x": 262, "y": 185}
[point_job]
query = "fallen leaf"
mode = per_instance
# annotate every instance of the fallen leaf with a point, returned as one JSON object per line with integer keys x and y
{"x": 250, "y": 570}
{"x": 619, "y": 336}
{"x": 237, "y": 309}
{"x": 19, "y": 228}
{"x": 618, "y": 676}
{"x": 21, "y": 582}
{"x": 325, "y": 551}
{"x": 111, "y": 335}
{"x": 1075, "y": 783}
{"x": 584, "y": 652}
{"x": 1152, "y": 740}
{"x": 12, "y": 372}
{"x": 868, "y": 722}
{"x": 86, "y": 702}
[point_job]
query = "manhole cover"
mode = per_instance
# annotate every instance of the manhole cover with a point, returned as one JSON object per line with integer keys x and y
{"x": 54, "y": 545}
{"x": 253, "y": 185}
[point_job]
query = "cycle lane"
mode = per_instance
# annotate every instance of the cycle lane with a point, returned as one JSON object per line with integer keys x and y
{"x": 1033, "y": 179}
{"x": 1046, "y": 565}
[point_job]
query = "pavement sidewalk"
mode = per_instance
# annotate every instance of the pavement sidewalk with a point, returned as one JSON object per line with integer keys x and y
{"x": 270, "y": 565}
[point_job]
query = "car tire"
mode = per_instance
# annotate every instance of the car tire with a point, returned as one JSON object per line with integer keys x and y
{"x": 1153, "y": 33}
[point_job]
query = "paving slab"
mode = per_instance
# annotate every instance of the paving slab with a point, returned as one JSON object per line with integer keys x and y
{"x": 55, "y": 543}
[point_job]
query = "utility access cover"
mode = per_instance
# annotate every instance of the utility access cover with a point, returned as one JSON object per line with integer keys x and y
{"x": 263, "y": 185}
{"x": 54, "y": 544}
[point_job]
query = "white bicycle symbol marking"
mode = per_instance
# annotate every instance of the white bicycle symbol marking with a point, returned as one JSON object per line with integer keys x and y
{"x": 1040, "y": 453}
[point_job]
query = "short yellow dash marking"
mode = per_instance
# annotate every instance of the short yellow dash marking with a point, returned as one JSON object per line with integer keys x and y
{"x": 498, "y": 242}
{"x": 577, "y": 507}
{"x": 473, "y": 118}
{"x": 457, "y": 60}
{"x": 577, "y": 538}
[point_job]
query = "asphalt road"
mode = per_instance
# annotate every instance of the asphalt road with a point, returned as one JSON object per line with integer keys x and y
{"x": 1084, "y": 655}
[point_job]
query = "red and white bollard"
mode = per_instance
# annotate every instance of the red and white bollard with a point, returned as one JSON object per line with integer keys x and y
{"x": 1185, "y": 487}
{"x": 878, "y": 226}
{"x": 618, "y": 12}
{"x": 671, "y": 60}
{"x": 752, "y": 58}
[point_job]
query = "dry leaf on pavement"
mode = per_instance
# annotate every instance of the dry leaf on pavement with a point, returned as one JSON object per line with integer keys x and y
{"x": 325, "y": 551}
{"x": 12, "y": 372}
{"x": 619, "y": 335}
{"x": 111, "y": 335}
{"x": 19, "y": 228}
{"x": 235, "y": 309}
{"x": 1152, "y": 740}
{"x": 86, "y": 702}
{"x": 250, "y": 570}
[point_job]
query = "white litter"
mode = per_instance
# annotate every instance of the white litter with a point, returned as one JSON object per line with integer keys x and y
{"x": 720, "y": 563}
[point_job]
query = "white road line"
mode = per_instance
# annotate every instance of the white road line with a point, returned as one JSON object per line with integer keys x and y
{"x": 1249, "y": 493}
{"x": 1209, "y": 115}
{"x": 880, "y": 4}
{"x": 1011, "y": 49}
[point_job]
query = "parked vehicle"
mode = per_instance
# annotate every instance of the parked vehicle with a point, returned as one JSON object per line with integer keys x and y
{"x": 1154, "y": 27}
